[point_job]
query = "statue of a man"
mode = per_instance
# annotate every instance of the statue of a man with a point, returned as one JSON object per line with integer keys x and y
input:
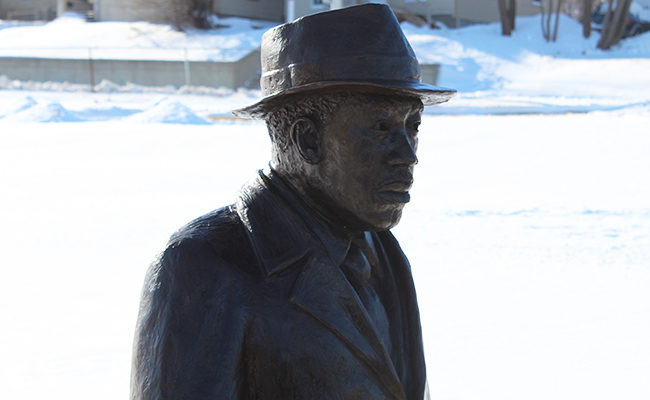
{"x": 299, "y": 290}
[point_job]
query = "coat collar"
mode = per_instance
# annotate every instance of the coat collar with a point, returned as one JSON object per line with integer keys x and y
{"x": 285, "y": 233}
{"x": 284, "y": 227}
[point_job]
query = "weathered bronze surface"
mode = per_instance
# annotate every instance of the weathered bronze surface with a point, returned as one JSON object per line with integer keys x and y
{"x": 361, "y": 47}
{"x": 299, "y": 290}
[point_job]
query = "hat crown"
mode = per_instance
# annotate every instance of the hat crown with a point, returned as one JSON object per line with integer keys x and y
{"x": 355, "y": 44}
{"x": 354, "y": 48}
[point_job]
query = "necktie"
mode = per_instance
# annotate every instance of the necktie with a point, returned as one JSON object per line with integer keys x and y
{"x": 356, "y": 267}
{"x": 358, "y": 271}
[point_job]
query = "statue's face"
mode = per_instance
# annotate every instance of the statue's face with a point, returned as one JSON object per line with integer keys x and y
{"x": 368, "y": 154}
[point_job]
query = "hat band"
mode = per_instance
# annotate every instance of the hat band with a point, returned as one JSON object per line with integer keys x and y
{"x": 360, "y": 68}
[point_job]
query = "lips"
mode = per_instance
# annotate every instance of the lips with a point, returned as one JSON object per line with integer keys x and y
{"x": 401, "y": 186}
{"x": 396, "y": 192}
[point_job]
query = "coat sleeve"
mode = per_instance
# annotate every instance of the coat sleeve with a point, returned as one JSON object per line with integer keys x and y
{"x": 190, "y": 331}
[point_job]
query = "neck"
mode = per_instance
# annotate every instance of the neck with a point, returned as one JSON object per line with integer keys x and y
{"x": 337, "y": 220}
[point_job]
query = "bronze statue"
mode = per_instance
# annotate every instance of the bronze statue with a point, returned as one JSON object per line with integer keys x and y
{"x": 299, "y": 290}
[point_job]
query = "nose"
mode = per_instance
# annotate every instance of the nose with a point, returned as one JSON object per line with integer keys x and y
{"x": 403, "y": 151}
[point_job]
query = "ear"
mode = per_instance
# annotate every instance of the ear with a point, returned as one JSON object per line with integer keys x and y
{"x": 306, "y": 137}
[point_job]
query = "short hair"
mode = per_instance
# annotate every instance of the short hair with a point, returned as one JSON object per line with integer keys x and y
{"x": 319, "y": 107}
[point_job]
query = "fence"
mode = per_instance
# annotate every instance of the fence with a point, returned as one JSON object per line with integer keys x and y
{"x": 156, "y": 67}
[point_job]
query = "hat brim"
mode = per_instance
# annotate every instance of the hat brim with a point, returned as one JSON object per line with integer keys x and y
{"x": 429, "y": 94}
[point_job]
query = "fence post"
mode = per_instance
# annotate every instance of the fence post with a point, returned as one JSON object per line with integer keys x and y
{"x": 186, "y": 65}
{"x": 91, "y": 69}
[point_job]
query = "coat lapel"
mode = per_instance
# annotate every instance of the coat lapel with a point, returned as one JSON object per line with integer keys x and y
{"x": 322, "y": 291}
{"x": 281, "y": 241}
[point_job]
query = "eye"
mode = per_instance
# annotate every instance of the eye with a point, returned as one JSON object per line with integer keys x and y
{"x": 414, "y": 126}
{"x": 381, "y": 126}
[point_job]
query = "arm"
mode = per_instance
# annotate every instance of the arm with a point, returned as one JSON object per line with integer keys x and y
{"x": 190, "y": 329}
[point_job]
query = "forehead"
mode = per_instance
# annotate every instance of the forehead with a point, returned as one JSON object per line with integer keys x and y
{"x": 382, "y": 103}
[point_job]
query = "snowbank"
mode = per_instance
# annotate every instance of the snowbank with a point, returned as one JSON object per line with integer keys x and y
{"x": 168, "y": 111}
{"x": 71, "y": 36}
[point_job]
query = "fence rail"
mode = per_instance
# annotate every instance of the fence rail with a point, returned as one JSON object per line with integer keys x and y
{"x": 146, "y": 66}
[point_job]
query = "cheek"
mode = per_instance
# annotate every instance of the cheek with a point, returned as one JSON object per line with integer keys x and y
{"x": 370, "y": 153}
{"x": 353, "y": 164}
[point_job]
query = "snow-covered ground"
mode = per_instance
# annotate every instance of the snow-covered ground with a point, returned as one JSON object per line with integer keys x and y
{"x": 529, "y": 238}
{"x": 529, "y": 235}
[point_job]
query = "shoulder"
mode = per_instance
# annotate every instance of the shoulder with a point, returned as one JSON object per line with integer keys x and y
{"x": 213, "y": 227}
{"x": 193, "y": 293}
{"x": 211, "y": 249}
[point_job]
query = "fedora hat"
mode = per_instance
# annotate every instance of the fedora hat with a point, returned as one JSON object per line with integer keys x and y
{"x": 356, "y": 47}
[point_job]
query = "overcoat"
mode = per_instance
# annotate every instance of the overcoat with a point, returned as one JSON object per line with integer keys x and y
{"x": 250, "y": 302}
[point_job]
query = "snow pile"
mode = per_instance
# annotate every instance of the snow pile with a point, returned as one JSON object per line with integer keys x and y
{"x": 10, "y": 106}
{"x": 111, "y": 102}
{"x": 14, "y": 84}
{"x": 168, "y": 111}
{"x": 31, "y": 111}
{"x": 106, "y": 86}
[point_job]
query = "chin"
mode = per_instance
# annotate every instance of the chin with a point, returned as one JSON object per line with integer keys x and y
{"x": 384, "y": 220}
